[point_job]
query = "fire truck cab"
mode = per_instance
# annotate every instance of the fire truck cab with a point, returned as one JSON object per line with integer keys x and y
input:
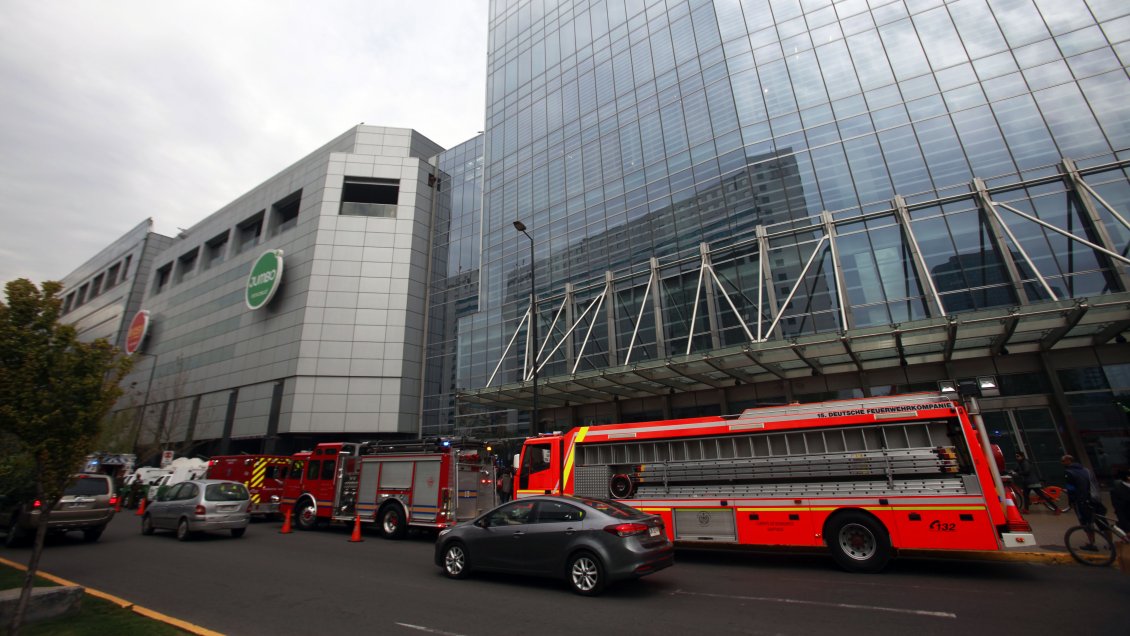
{"x": 262, "y": 474}
{"x": 433, "y": 483}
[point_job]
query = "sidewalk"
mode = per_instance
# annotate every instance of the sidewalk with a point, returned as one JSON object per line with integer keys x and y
{"x": 1048, "y": 529}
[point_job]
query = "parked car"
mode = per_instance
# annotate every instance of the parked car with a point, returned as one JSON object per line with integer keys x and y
{"x": 588, "y": 542}
{"x": 87, "y": 505}
{"x": 199, "y": 505}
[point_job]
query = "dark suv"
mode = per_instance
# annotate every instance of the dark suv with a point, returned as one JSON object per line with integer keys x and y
{"x": 87, "y": 504}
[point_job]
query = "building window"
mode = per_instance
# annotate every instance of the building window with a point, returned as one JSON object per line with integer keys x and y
{"x": 68, "y": 301}
{"x": 370, "y": 197}
{"x": 113, "y": 274}
{"x": 161, "y": 281}
{"x": 125, "y": 268}
{"x": 215, "y": 250}
{"x": 80, "y": 299}
{"x": 284, "y": 213}
{"x": 96, "y": 285}
{"x": 186, "y": 265}
{"x": 249, "y": 232}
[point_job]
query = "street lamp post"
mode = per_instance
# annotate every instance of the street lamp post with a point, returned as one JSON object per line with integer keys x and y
{"x": 534, "y": 424}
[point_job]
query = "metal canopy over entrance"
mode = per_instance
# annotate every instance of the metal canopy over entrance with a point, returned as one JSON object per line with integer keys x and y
{"x": 726, "y": 333}
{"x": 1033, "y": 328}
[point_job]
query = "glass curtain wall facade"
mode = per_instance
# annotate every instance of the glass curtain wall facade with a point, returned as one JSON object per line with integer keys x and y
{"x": 454, "y": 280}
{"x": 940, "y": 144}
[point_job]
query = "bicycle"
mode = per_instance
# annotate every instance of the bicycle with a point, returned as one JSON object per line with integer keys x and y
{"x": 1053, "y": 498}
{"x": 1103, "y": 549}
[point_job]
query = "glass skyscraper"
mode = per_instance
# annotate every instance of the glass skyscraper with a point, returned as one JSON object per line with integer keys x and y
{"x": 740, "y": 202}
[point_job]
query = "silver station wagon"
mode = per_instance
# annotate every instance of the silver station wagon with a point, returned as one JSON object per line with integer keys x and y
{"x": 199, "y": 505}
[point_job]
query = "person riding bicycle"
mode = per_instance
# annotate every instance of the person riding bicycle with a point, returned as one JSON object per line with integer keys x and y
{"x": 1083, "y": 493}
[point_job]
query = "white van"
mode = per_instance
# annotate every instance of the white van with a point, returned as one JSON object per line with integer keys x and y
{"x": 180, "y": 469}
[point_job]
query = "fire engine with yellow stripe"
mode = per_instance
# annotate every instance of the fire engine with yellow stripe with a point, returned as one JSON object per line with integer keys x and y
{"x": 262, "y": 474}
{"x": 432, "y": 483}
{"x": 864, "y": 478}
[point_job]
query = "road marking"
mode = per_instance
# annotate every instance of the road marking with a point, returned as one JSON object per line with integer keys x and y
{"x": 795, "y": 601}
{"x": 428, "y": 630}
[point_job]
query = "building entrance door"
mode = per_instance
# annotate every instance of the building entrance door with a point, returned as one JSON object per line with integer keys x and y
{"x": 1031, "y": 431}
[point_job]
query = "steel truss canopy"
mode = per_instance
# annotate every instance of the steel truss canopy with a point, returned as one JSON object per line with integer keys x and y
{"x": 703, "y": 361}
{"x": 1029, "y": 329}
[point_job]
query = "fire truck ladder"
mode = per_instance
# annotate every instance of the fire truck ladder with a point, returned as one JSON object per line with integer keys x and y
{"x": 889, "y": 459}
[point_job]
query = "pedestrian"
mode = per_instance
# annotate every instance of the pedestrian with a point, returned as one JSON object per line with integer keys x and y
{"x": 1120, "y": 498}
{"x": 1084, "y": 495}
{"x": 1029, "y": 481}
{"x": 507, "y": 485}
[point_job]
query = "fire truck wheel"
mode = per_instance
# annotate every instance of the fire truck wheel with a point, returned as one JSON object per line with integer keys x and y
{"x": 393, "y": 524}
{"x": 586, "y": 574}
{"x": 306, "y": 515}
{"x": 146, "y": 525}
{"x": 858, "y": 541}
{"x": 183, "y": 533}
{"x": 456, "y": 565}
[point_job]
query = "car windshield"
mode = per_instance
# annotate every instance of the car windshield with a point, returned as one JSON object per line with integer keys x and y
{"x": 225, "y": 492}
{"x": 87, "y": 486}
{"x": 612, "y": 508}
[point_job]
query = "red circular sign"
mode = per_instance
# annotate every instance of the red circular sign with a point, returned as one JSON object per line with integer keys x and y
{"x": 138, "y": 328}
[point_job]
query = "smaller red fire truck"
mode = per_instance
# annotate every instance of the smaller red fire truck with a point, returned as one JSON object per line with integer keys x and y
{"x": 433, "y": 483}
{"x": 262, "y": 474}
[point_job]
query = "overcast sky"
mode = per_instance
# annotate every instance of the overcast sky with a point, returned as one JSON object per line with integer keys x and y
{"x": 114, "y": 111}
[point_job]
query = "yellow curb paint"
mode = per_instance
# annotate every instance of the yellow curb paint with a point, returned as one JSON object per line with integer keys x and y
{"x": 120, "y": 602}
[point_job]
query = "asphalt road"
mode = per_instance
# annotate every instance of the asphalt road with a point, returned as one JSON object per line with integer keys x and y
{"x": 319, "y": 582}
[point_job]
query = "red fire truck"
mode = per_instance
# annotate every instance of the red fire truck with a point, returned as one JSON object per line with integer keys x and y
{"x": 863, "y": 477}
{"x": 432, "y": 483}
{"x": 262, "y": 474}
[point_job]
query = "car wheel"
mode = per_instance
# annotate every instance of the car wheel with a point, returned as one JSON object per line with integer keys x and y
{"x": 183, "y": 532}
{"x": 90, "y": 535}
{"x": 393, "y": 524}
{"x": 306, "y": 515}
{"x": 238, "y": 532}
{"x": 146, "y": 525}
{"x": 586, "y": 574}
{"x": 456, "y": 564}
{"x": 15, "y": 537}
{"x": 858, "y": 541}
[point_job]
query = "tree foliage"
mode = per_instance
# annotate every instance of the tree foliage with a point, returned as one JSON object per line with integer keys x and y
{"x": 55, "y": 391}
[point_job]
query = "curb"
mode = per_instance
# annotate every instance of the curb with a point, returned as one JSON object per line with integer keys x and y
{"x": 120, "y": 602}
{"x": 1051, "y": 558}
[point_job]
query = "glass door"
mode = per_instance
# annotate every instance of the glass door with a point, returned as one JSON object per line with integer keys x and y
{"x": 1031, "y": 431}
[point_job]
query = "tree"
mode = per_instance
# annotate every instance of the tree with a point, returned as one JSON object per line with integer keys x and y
{"x": 54, "y": 393}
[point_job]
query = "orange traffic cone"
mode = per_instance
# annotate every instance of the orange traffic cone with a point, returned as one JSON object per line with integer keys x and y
{"x": 356, "y": 530}
{"x": 286, "y": 521}
{"x": 140, "y": 508}
{"x": 1013, "y": 519}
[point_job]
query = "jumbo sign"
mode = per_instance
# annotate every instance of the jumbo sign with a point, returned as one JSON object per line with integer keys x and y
{"x": 265, "y": 278}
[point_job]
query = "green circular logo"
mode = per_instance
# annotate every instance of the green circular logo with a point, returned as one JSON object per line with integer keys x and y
{"x": 265, "y": 278}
